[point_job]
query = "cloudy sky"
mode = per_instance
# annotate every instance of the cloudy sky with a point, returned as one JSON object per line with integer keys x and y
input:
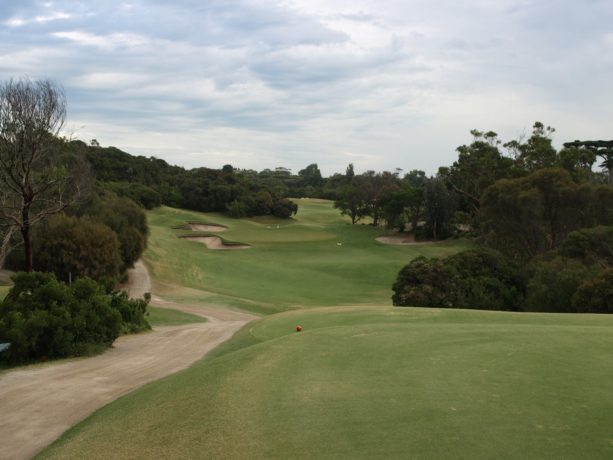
{"x": 383, "y": 84}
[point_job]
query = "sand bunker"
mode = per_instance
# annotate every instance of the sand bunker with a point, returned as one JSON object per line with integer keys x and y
{"x": 215, "y": 242}
{"x": 402, "y": 240}
{"x": 194, "y": 227}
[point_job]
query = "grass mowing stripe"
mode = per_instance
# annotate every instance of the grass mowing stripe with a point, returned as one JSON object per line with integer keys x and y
{"x": 316, "y": 259}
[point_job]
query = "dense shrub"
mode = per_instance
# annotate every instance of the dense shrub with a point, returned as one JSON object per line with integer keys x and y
{"x": 486, "y": 280}
{"x": 553, "y": 284}
{"x": 124, "y": 217}
{"x": 43, "y": 318}
{"x": 145, "y": 196}
{"x": 236, "y": 209}
{"x": 590, "y": 245}
{"x": 73, "y": 247}
{"x": 595, "y": 295}
{"x": 479, "y": 278}
{"x": 425, "y": 283}
{"x": 132, "y": 312}
{"x": 284, "y": 208}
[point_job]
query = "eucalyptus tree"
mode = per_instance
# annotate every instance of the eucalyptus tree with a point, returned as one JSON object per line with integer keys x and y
{"x": 35, "y": 181}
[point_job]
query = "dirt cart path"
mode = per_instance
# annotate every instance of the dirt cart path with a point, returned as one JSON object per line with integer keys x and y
{"x": 39, "y": 403}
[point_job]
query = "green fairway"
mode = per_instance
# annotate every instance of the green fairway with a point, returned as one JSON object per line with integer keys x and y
{"x": 168, "y": 317}
{"x": 364, "y": 382}
{"x": 316, "y": 259}
{"x": 363, "y": 379}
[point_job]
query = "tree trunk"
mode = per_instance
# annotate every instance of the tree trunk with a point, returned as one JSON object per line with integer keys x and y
{"x": 6, "y": 243}
{"x": 27, "y": 239}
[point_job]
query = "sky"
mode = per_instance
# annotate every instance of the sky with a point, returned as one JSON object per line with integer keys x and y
{"x": 382, "y": 84}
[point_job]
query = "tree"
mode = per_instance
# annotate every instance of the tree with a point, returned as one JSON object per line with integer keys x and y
{"x": 530, "y": 215}
{"x": 353, "y": 200}
{"x": 595, "y": 295}
{"x": 34, "y": 181}
{"x": 311, "y": 175}
{"x": 478, "y": 278}
{"x": 537, "y": 152}
{"x": 439, "y": 207}
{"x": 478, "y": 166}
{"x": 73, "y": 247}
{"x": 603, "y": 149}
{"x": 349, "y": 173}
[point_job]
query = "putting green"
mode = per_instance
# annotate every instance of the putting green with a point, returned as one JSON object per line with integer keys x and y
{"x": 364, "y": 382}
{"x": 316, "y": 259}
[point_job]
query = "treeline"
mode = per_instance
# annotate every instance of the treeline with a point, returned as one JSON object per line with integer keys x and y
{"x": 152, "y": 182}
{"x": 99, "y": 237}
{"x": 544, "y": 217}
{"x": 72, "y": 238}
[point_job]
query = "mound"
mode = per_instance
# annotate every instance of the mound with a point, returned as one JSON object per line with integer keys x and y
{"x": 400, "y": 239}
{"x": 215, "y": 242}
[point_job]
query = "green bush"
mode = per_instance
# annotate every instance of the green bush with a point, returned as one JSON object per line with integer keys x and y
{"x": 553, "y": 284}
{"x": 595, "y": 295}
{"x": 479, "y": 278}
{"x": 236, "y": 209}
{"x": 132, "y": 312}
{"x": 284, "y": 208}
{"x": 73, "y": 247}
{"x": 43, "y": 318}
{"x": 590, "y": 245}
{"x": 425, "y": 283}
{"x": 147, "y": 197}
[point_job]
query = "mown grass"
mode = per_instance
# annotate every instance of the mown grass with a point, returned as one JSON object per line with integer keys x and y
{"x": 366, "y": 382}
{"x": 316, "y": 259}
{"x": 169, "y": 317}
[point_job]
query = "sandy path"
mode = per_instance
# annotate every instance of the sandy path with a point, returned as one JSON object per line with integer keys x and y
{"x": 39, "y": 403}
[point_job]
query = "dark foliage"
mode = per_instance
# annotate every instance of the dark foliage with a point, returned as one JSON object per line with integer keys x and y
{"x": 595, "y": 295}
{"x": 46, "y": 319}
{"x": 151, "y": 182}
{"x": 480, "y": 278}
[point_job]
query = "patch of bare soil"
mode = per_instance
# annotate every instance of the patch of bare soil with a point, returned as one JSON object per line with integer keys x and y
{"x": 5, "y": 277}
{"x": 401, "y": 239}
{"x": 215, "y": 242}
{"x": 38, "y": 403}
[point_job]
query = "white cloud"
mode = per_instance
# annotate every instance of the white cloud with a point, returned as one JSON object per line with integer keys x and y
{"x": 40, "y": 19}
{"x": 385, "y": 83}
{"x": 103, "y": 41}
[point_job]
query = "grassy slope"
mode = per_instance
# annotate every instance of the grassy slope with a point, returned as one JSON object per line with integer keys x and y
{"x": 358, "y": 382}
{"x": 4, "y": 290}
{"x": 168, "y": 317}
{"x": 297, "y": 264}
{"x": 365, "y": 382}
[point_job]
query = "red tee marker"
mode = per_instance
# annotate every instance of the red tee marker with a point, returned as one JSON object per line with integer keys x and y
{"x": 298, "y": 328}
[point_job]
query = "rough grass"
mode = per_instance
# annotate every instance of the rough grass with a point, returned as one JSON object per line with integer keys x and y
{"x": 4, "y": 290}
{"x": 365, "y": 382}
{"x": 169, "y": 317}
{"x": 292, "y": 262}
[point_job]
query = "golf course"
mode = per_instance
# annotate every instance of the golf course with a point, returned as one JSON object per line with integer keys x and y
{"x": 363, "y": 379}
